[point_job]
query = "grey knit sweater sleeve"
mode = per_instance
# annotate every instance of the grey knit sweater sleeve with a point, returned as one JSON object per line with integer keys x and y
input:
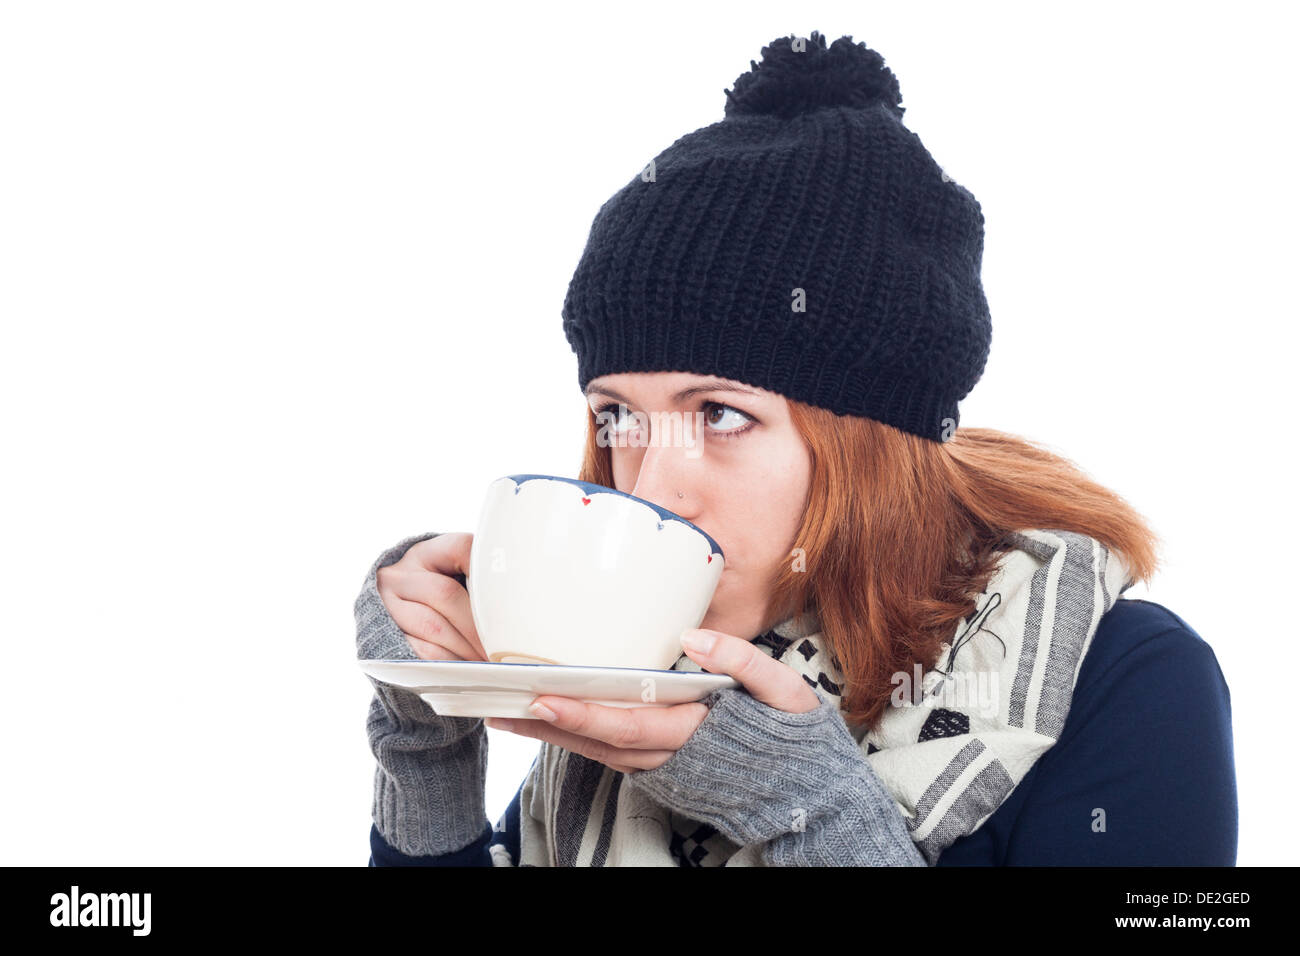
{"x": 431, "y": 769}
{"x": 795, "y": 787}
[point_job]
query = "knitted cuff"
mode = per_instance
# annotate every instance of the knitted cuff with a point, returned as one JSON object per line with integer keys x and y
{"x": 378, "y": 636}
{"x": 431, "y": 771}
{"x": 798, "y": 784}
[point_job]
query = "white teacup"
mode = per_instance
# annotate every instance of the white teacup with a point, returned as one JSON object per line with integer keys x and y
{"x": 563, "y": 571}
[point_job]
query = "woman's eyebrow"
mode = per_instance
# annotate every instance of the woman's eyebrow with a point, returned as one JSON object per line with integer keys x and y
{"x": 680, "y": 396}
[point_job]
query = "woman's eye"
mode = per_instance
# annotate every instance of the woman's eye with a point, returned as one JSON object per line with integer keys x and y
{"x": 738, "y": 422}
{"x": 611, "y": 415}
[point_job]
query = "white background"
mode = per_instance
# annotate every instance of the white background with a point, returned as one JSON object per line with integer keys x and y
{"x": 280, "y": 285}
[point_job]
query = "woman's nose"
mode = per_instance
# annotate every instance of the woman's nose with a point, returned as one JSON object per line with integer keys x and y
{"x": 664, "y": 472}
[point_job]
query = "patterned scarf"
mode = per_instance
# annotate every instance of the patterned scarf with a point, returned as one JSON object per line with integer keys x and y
{"x": 995, "y": 701}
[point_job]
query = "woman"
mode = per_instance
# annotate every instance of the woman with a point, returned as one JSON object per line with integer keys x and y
{"x": 936, "y": 667}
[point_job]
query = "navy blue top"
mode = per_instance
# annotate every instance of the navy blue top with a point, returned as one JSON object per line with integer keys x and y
{"x": 1148, "y": 740}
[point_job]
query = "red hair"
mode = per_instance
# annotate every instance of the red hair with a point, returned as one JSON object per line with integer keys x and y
{"x": 900, "y": 534}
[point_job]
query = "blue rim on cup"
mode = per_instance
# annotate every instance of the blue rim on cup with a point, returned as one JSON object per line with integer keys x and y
{"x": 591, "y": 488}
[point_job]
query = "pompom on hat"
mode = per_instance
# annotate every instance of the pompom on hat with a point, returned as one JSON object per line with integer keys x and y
{"x": 807, "y": 244}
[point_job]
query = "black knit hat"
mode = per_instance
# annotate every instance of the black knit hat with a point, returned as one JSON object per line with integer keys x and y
{"x": 807, "y": 244}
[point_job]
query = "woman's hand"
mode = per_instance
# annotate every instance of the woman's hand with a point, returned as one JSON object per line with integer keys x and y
{"x": 629, "y": 739}
{"x": 429, "y": 603}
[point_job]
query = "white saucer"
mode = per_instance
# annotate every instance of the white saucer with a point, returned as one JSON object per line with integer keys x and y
{"x": 480, "y": 689}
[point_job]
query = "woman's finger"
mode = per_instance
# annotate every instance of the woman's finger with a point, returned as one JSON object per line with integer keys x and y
{"x": 446, "y": 553}
{"x": 428, "y": 652}
{"x": 424, "y": 575}
{"x": 444, "y": 598}
{"x": 766, "y": 678}
{"x": 627, "y": 728}
{"x": 423, "y": 623}
{"x": 625, "y": 761}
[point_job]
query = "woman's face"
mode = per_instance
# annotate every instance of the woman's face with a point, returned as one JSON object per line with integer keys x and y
{"x": 734, "y": 453}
